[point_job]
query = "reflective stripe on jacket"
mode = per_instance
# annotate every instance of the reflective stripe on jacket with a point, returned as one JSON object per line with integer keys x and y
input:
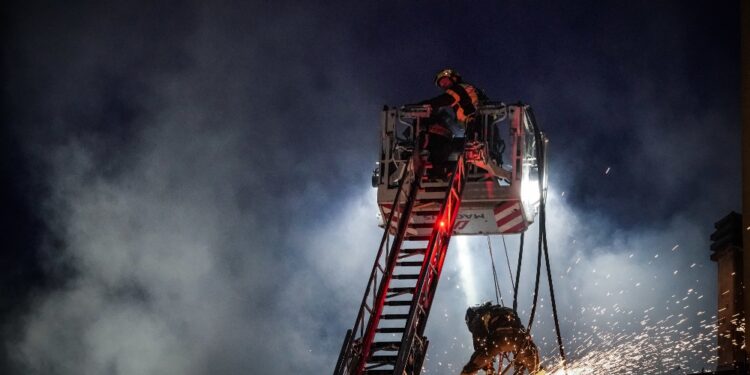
{"x": 465, "y": 100}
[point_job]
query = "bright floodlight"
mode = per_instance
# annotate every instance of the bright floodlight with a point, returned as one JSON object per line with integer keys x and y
{"x": 530, "y": 193}
{"x": 532, "y": 171}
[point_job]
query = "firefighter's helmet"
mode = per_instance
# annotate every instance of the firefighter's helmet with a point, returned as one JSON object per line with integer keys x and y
{"x": 450, "y": 73}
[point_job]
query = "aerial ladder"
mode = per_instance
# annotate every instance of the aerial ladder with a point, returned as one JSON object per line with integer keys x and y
{"x": 480, "y": 195}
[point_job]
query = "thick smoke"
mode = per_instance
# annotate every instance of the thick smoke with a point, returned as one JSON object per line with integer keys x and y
{"x": 187, "y": 219}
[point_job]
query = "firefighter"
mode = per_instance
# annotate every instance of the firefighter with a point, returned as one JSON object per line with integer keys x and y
{"x": 462, "y": 99}
{"x": 496, "y": 330}
{"x": 436, "y": 143}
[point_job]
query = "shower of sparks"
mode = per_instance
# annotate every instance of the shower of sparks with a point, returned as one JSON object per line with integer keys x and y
{"x": 607, "y": 171}
{"x": 573, "y": 371}
{"x": 618, "y": 337}
{"x": 654, "y": 349}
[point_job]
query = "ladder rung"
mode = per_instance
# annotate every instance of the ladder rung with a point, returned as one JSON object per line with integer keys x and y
{"x": 406, "y": 277}
{"x": 432, "y": 187}
{"x": 417, "y": 238}
{"x": 422, "y": 225}
{"x": 390, "y": 330}
{"x": 426, "y": 213}
{"x": 398, "y": 303}
{"x": 382, "y": 359}
{"x": 394, "y": 316}
{"x": 379, "y": 372}
{"x": 401, "y": 290}
{"x": 386, "y": 346}
{"x": 410, "y": 264}
{"x": 413, "y": 251}
{"x": 429, "y": 200}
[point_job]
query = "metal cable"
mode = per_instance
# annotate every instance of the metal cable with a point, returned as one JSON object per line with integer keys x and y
{"x": 518, "y": 275}
{"x": 536, "y": 280}
{"x": 507, "y": 260}
{"x": 543, "y": 235}
{"x": 498, "y": 294}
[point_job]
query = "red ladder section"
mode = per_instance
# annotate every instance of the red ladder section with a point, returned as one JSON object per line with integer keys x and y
{"x": 388, "y": 335}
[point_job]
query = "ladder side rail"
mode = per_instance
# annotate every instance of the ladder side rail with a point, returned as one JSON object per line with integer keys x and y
{"x": 420, "y": 361}
{"x": 456, "y": 191}
{"x": 404, "y": 217}
{"x": 417, "y": 311}
{"x": 429, "y": 273}
{"x": 345, "y": 348}
{"x": 372, "y": 281}
{"x": 351, "y": 362}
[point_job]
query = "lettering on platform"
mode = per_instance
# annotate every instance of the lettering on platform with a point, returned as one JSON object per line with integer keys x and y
{"x": 460, "y": 217}
{"x": 460, "y": 224}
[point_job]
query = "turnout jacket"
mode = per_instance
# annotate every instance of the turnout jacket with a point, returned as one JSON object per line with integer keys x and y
{"x": 462, "y": 97}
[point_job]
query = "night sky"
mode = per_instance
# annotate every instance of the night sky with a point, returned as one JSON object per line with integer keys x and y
{"x": 186, "y": 185}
